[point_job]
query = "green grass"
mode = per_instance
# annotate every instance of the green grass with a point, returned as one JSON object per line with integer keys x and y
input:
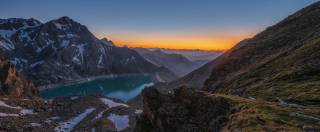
{"x": 258, "y": 115}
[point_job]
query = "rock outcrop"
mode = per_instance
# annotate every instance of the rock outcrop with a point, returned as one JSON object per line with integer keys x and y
{"x": 187, "y": 110}
{"x": 184, "y": 111}
{"x": 13, "y": 83}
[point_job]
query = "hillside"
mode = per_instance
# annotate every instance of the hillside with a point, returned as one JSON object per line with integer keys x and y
{"x": 177, "y": 63}
{"x": 198, "y": 56}
{"x": 187, "y": 110}
{"x": 280, "y": 62}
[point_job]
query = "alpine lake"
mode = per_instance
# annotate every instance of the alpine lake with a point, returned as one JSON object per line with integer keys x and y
{"x": 121, "y": 87}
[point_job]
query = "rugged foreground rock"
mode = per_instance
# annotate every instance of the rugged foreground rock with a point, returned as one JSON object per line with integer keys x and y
{"x": 66, "y": 114}
{"x": 189, "y": 111}
{"x": 13, "y": 83}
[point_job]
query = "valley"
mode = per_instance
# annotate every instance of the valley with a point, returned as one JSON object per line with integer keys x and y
{"x": 58, "y": 76}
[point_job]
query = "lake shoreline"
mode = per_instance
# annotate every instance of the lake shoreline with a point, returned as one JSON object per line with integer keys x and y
{"x": 84, "y": 80}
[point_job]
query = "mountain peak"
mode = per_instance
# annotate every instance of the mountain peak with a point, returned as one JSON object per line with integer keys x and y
{"x": 107, "y": 42}
{"x": 29, "y": 21}
{"x": 65, "y": 20}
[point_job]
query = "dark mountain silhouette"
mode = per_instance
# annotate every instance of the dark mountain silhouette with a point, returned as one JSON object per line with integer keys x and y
{"x": 174, "y": 62}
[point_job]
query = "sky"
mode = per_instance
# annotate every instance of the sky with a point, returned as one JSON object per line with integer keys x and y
{"x": 176, "y": 24}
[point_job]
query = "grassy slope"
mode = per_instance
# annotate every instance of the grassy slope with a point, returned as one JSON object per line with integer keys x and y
{"x": 259, "y": 115}
{"x": 282, "y": 61}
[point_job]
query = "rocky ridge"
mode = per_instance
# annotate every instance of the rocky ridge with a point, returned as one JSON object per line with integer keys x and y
{"x": 187, "y": 110}
{"x": 62, "y": 50}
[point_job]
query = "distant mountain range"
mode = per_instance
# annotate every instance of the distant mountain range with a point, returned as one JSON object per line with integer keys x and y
{"x": 199, "y": 56}
{"x": 62, "y": 50}
{"x": 177, "y": 63}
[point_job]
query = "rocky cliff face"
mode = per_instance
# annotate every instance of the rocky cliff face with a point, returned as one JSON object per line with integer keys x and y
{"x": 187, "y": 110}
{"x": 184, "y": 111}
{"x": 13, "y": 83}
{"x": 63, "y": 49}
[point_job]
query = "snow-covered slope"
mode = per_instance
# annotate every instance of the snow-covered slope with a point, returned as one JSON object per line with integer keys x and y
{"x": 63, "y": 49}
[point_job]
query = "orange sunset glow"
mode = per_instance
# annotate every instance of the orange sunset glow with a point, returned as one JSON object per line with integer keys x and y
{"x": 205, "y": 42}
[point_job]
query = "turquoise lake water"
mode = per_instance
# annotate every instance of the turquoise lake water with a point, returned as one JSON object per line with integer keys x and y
{"x": 123, "y": 87}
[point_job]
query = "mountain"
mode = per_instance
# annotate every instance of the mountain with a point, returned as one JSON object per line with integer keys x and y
{"x": 200, "y": 57}
{"x": 266, "y": 83}
{"x": 107, "y": 42}
{"x": 280, "y": 62}
{"x": 174, "y": 62}
{"x": 273, "y": 58}
{"x": 62, "y": 50}
{"x": 194, "y": 79}
{"x": 163, "y": 74}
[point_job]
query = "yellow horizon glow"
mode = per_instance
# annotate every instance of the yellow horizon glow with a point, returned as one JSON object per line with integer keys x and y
{"x": 188, "y": 42}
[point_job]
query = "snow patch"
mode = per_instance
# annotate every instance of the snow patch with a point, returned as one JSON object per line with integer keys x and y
{"x": 44, "y": 34}
{"x": 111, "y": 103}
{"x": 5, "y": 115}
{"x": 25, "y": 35}
{"x": 22, "y": 111}
{"x": 15, "y": 61}
{"x": 35, "y": 124}
{"x": 26, "y": 112}
{"x": 6, "y": 33}
{"x": 98, "y": 116}
{"x": 138, "y": 111}
{"x": 64, "y": 43}
{"x": 7, "y": 46}
{"x": 74, "y": 97}
{"x": 8, "y": 106}
{"x": 36, "y": 63}
{"x": 121, "y": 122}
{"x": 69, "y": 125}
{"x": 59, "y": 26}
{"x": 100, "y": 60}
{"x": 80, "y": 54}
{"x": 70, "y": 35}
{"x": 49, "y": 120}
{"x": 282, "y": 102}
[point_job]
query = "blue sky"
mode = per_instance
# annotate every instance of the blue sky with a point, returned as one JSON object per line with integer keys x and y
{"x": 132, "y": 21}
